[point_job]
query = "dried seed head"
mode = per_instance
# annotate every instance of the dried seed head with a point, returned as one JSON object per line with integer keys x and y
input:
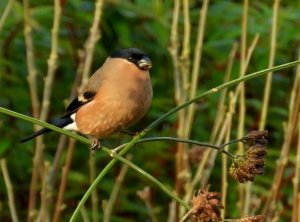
{"x": 256, "y": 137}
{"x": 246, "y": 167}
{"x": 241, "y": 171}
{"x": 206, "y": 206}
{"x": 256, "y": 151}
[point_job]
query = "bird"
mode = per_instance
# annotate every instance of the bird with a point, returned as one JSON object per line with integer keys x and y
{"x": 117, "y": 95}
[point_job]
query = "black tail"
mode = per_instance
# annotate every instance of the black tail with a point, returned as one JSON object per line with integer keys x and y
{"x": 62, "y": 122}
{"x": 37, "y": 133}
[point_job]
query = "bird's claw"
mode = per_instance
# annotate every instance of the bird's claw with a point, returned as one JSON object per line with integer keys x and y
{"x": 95, "y": 145}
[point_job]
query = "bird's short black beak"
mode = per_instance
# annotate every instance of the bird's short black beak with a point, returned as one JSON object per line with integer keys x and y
{"x": 145, "y": 63}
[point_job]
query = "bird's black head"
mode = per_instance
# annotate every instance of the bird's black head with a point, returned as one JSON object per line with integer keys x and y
{"x": 134, "y": 55}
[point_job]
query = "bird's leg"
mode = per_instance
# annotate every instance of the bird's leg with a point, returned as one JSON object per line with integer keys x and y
{"x": 95, "y": 145}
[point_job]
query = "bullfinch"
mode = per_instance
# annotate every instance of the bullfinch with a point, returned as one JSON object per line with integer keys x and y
{"x": 118, "y": 94}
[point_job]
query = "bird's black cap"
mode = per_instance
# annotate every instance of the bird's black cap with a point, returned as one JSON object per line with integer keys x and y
{"x": 134, "y": 55}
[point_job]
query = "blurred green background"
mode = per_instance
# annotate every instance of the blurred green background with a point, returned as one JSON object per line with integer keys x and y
{"x": 144, "y": 24}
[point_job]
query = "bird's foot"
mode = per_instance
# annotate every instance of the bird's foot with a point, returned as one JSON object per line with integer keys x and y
{"x": 95, "y": 145}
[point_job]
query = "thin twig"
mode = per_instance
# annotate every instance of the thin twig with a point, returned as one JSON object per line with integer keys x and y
{"x": 181, "y": 164}
{"x": 145, "y": 195}
{"x": 63, "y": 182}
{"x": 221, "y": 107}
{"x": 241, "y": 94}
{"x": 10, "y": 192}
{"x": 224, "y": 158}
{"x": 151, "y": 211}
{"x": 115, "y": 192}
{"x": 63, "y": 139}
{"x": 193, "y": 142}
{"x": 91, "y": 41}
{"x": 52, "y": 62}
{"x": 268, "y": 84}
{"x": 288, "y": 136}
{"x": 243, "y": 54}
{"x": 5, "y": 13}
{"x": 32, "y": 71}
{"x": 173, "y": 49}
{"x": 298, "y": 207}
{"x": 48, "y": 85}
{"x": 244, "y": 190}
{"x": 184, "y": 217}
{"x": 181, "y": 140}
{"x": 172, "y": 211}
{"x": 56, "y": 161}
{"x": 32, "y": 80}
{"x": 89, "y": 48}
{"x": 44, "y": 214}
{"x": 248, "y": 186}
{"x": 196, "y": 64}
{"x": 84, "y": 215}
{"x": 212, "y": 154}
{"x": 185, "y": 53}
{"x": 296, "y": 203}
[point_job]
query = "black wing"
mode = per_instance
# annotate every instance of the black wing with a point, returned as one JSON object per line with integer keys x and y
{"x": 85, "y": 98}
{"x": 65, "y": 119}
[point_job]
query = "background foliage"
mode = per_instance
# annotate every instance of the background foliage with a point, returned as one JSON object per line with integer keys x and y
{"x": 146, "y": 25}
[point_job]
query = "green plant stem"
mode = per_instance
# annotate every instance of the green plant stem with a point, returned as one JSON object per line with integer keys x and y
{"x": 231, "y": 142}
{"x": 10, "y": 191}
{"x": 174, "y": 139}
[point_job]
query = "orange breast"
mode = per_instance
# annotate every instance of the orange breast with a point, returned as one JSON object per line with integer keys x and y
{"x": 115, "y": 107}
